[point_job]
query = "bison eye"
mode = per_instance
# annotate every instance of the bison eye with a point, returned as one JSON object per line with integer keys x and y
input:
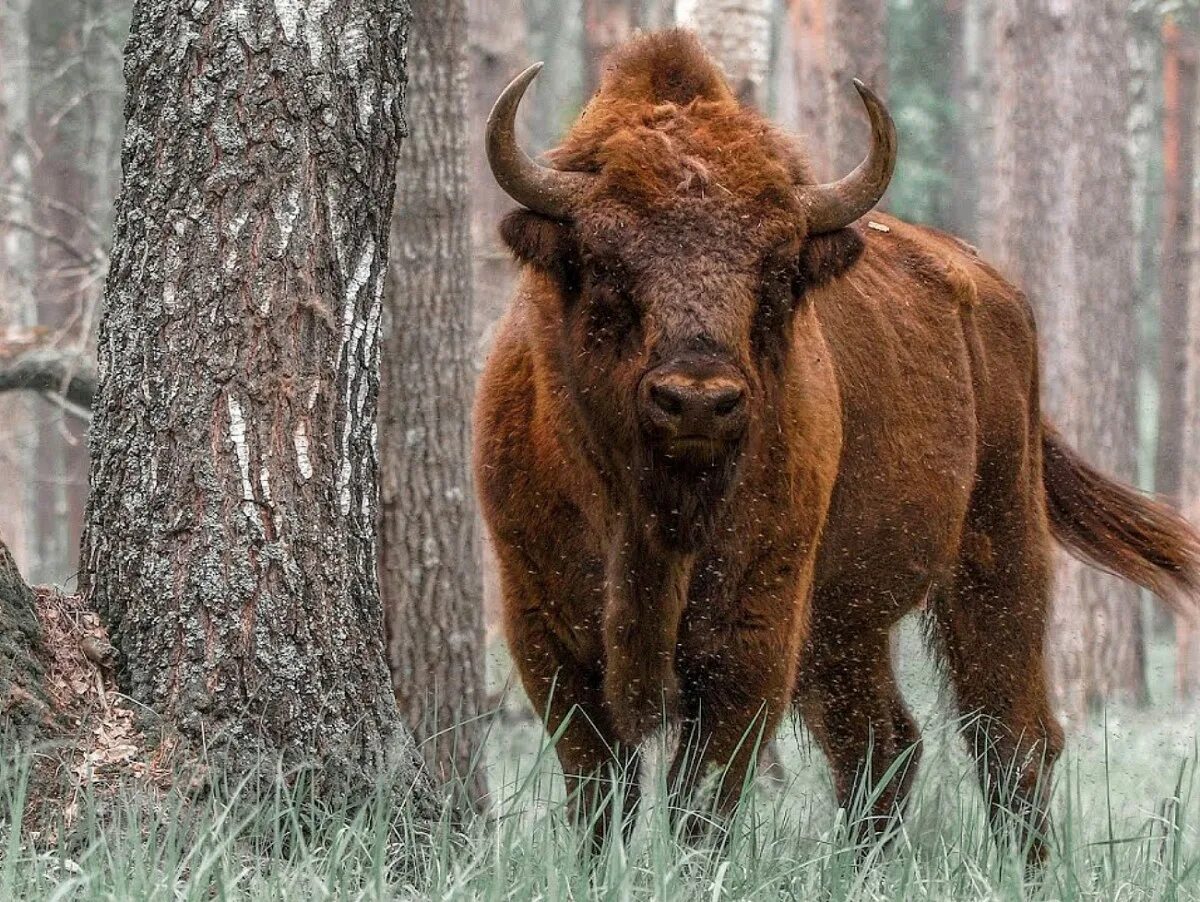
{"x": 610, "y": 316}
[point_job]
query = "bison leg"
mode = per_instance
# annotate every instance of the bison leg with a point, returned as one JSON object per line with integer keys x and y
{"x": 601, "y": 774}
{"x": 732, "y": 710}
{"x": 991, "y": 625}
{"x": 852, "y": 705}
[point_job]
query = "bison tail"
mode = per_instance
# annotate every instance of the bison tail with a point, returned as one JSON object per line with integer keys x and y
{"x": 1117, "y": 528}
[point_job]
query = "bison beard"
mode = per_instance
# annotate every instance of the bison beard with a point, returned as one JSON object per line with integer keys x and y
{"x": 892, "y": 452}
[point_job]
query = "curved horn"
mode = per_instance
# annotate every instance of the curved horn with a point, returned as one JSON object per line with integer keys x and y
{"x": 835, "y": 205}
{"x": 550, "y": 192}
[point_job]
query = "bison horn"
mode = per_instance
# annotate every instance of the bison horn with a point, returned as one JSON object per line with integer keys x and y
{"x": 834, "y": 206}
{"x": 550, "y": 192}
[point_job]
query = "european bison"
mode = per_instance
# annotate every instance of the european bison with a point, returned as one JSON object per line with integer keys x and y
{"x": 730, "y": 433}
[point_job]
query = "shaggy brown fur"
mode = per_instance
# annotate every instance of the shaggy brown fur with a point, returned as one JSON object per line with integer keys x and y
{"x": 890, "y": 451}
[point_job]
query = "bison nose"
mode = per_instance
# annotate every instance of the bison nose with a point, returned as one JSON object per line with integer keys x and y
{"x": 686, "y": 406}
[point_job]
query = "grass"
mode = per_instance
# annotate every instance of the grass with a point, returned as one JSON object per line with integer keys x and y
{"x": 1127, "y": 810}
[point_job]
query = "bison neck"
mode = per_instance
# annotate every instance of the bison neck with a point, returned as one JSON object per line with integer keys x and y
{"x": 647, "y": 590}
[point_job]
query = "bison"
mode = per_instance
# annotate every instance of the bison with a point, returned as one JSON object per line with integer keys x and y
{"x": 730, "y": 433}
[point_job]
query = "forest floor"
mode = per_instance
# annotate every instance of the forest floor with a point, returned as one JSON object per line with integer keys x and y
{"x": 1127, "y": 809}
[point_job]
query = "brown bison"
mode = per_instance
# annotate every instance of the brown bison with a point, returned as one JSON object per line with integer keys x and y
{"x": 729, "y": 434}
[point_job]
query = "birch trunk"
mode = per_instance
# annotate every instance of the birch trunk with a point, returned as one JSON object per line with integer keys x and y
{"x": 429, "y": 580}
{"x": 738, "y": 34}
{"x": 229, "y": 539}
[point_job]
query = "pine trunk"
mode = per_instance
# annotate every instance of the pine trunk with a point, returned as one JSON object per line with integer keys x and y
{"x": 1179, "y": 101}
{"x": 1060, "y": 225}
{"x": 833, "y": 42}
{"x": 738, "y": 33}
{"x": 429, "y": 578}
{"x": 229, "y": 539}
{"x": 1187, "y": 632}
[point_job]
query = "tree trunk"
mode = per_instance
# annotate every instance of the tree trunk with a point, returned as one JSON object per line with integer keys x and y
{"x": 229, "y": 539}
{"x": 1187, "y": 632}
{"x": 1179, "y": 101}
{"x": 429, "y": 578}
{"x": 606, "y": 25}
{"x": 1060, "y": 225}
{"x": 23, "y": 705}
{"x": 834, "y": 42}
{"x": 18, "y": 312}
{"x": 738, "y": 33}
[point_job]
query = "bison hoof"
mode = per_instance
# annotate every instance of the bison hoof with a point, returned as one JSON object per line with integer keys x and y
{"x": 641, "y": 707}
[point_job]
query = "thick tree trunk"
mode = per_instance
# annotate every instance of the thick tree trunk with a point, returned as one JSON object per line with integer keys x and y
{"x": 833, "y": 42}
{"x": 1060, "y": 225}
{"x": 229, "y": 539}
{"x": 738, "y": 33}
{"x": 1179, "y": 101}
{"x": 429, "y": 579}
{"x": 23, "y": 705}
{"x": 606, "y": 25}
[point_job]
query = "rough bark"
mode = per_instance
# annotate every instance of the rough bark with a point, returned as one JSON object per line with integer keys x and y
{"x": 834, "y": 42}
{"x": 229, "y": 540}
{"x": 1060, "y": 224}
{"x": 738, "y": 33}
{"x": 429, "y": 579}
{"x": 606, "y": 25}
{"x": 1179, "y": 101}
{"x": 23, "y": 707}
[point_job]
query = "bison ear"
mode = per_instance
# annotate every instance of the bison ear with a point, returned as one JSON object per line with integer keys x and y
{"x": 539, "y": 241}
{"x": 825, "y": 257}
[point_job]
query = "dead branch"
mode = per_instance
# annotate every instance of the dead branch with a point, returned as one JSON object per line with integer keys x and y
{"x": 65, "y": 374}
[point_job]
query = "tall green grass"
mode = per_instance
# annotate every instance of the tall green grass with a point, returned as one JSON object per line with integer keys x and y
{"x": 1126, "y": 807}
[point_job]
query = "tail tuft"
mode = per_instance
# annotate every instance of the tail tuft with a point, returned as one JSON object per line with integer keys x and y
{"x": 1119, "y": 529}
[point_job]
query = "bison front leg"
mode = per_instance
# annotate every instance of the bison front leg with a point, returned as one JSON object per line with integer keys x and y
{"x": 738, "y": 684}
{"x": 563, "y": 684}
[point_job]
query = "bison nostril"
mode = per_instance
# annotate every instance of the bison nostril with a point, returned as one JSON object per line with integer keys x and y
{"x": 669, "y": 400}
{"x": 727, "y": 402}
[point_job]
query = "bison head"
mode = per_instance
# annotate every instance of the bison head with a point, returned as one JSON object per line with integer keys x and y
{"x": 677, "y": 235}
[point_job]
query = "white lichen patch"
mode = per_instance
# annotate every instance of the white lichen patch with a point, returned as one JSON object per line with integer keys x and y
{"x": 286, "y": 210}
{"x": 314, "y": 13}
{"x": 300, "y": 441}
{"x": 366, "y": 103}
{"x": 288, "y": 14}
{"x": 237, "y": 437}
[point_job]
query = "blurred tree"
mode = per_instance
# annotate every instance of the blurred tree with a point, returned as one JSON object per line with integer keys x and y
{"x": 18, "y": 310}
{"x": 1059, "y": 223}
{"x": 738, "y": 33}
{"x": 1179, "y": 43}
{"x": 429, "y": 578}
{"x": 497, "y": 54}
{"x": 230, "y": 533}
{"x": 606, "y": 25}
{"x": 833, "y": 42}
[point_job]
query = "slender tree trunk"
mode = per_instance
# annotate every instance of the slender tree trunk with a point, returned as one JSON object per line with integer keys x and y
{"x": 834, "y": 42}
{"x": 1061, "y": 226}
{"x": 738, "y": 33}
{"x": 229, "y": 540}
{"x": 1179, "y": 101}
{"x": 18, "y": 311}
{"x": 606, "y": 25}
{"x": 1187, "y": 633}
{"x": 429, "y": 579}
